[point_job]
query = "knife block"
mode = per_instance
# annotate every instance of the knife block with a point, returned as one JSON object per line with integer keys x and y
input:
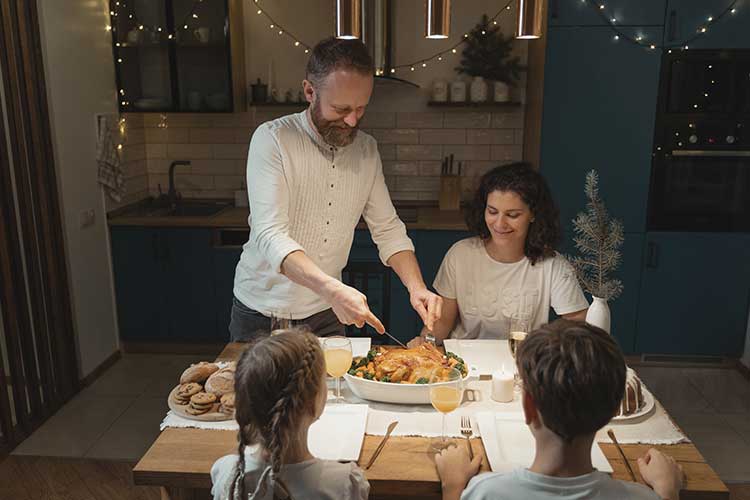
{"x": 450, "y": 192}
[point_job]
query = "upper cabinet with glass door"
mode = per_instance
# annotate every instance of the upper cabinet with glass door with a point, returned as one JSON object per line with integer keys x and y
{"x": 178, "y": 55}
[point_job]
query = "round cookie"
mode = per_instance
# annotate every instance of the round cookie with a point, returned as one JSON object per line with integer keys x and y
{"x": 196, "y": 411}
{"x": 227, "y": 403}
{"x": 202, "y": 399}
{"x": 186, "y": 391}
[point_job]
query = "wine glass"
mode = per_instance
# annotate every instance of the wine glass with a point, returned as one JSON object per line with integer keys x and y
{"x": 446, "y": 393}
{"x": 519, "y": 329}
{"x": 279, "y": 322}
{"x": 338, "y": 355}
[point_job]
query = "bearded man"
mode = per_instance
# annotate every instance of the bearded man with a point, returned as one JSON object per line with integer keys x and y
{"x": 310, "y": 178}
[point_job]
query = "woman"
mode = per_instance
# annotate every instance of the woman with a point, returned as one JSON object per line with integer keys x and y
{"x": 509, "y": 274}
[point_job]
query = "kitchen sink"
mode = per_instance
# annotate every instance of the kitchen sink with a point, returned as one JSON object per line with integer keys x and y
{"x": 185, "y": 208}
{"x": 196, "y": 208}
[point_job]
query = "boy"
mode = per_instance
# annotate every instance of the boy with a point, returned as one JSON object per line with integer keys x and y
{"x": 573, "y": 378}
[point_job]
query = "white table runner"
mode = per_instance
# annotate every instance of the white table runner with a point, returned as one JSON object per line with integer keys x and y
{"x": 423, "y": 420}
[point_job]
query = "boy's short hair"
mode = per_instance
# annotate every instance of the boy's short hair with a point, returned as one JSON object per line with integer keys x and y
{"x": 575, "y": 373}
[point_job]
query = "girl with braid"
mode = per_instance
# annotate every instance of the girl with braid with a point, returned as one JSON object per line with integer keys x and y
{"x": 281, "y": 390}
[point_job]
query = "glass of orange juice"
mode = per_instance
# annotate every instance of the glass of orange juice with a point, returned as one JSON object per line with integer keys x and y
{"x": 338, "y": 354}
{"x": 446, "y": 393}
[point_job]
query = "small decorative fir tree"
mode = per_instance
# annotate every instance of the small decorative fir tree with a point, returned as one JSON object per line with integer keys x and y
{"x": 598, "y": 238}
{"x": 487, "y": 53}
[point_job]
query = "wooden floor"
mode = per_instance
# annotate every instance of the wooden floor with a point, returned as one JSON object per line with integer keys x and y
{"x": 47, "y": 478}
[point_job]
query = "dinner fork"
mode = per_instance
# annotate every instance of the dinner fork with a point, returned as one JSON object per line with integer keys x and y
{"x": 466, "y": 431}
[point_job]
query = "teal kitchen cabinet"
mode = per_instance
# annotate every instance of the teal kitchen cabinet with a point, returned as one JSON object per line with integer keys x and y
{"x": 695, "y": 291}
{"x": 599, "y": 109}
{"x": 624, "y": 309}
{"x": 626, "y": 12}
{"x": 140, "y": 291}
{"x": 686, "y": 17}
{"x": 164, "y": 283}
{"x": 190, "y": 290}
{"x": 430, "y": 247}
{"x": 386, "y": 295}
{"x": 227, "y": 248}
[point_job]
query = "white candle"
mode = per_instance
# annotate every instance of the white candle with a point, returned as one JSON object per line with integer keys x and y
{"x": 502, "y": 386}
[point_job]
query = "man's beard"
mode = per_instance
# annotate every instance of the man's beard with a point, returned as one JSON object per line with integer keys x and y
{"x": 336, "y": 133}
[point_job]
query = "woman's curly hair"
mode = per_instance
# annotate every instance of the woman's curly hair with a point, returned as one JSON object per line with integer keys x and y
{"x": 529, "y": 184}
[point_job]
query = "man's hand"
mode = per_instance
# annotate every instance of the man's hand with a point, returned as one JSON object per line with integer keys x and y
{"x": 455, "y": 470}
{"x": 662, "y": 473}
{"x": 415, "y": 342}
{"x": 428, "y": 305}
{"x": 350, "y": 306}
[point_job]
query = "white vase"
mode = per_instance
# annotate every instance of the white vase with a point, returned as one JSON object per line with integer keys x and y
{"x": 458, "y": 91}
{"x": 598, "y": 314}
{"x": 502, "y": 92}
{"x": 440, "y": 91}
{"x": 478, "y": 89}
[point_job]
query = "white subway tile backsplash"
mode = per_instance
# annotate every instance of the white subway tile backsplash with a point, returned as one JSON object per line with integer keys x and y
{"x": 396, "y": 136}
{"x": 507, "y": 120}
{"x": 213, "y": 167}
{"x": 418, "y": 183}
{"x": 463, "y": 119}
{"x": 429, "y": 167}
{"x": 419, "y": 120}
{"x": 230, "y": 151}
{"x": 154, "y": 151}
{"x": 442, "y": 136}
{"x": 374, "y": 119}
{"x": 506, "y": 154}
{"x": 211, "y": 135}
{"x": 400, "y": 168}
{"x": 411, "y": 146}
{"x": 189, "y": 151}
{"x": 475, "y": 152}
{"x": 419, "y": 152}
{"x": 490, "y": 136}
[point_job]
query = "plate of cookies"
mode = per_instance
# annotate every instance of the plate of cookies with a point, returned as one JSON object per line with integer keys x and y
{"x": 205, "y": 392}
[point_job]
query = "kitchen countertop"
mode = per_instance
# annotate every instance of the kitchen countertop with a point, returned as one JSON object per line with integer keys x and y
{"x": 414, "y": 216}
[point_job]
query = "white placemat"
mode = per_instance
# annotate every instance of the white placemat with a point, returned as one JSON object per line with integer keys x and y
{"x": 337, "y": 435}
{"x": 484, "y": 354}
{"x": 509, "y": 443}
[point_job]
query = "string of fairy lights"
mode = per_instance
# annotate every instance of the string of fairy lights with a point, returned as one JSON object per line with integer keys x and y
{"x": 619, "y": 34}
{"x": 641, "y": 41}
{"x": 411, "y": 66}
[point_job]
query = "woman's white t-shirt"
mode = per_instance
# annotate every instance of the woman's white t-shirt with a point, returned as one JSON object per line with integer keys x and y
{"x": 316, "y": 478}
{"x": 491, "y": 293}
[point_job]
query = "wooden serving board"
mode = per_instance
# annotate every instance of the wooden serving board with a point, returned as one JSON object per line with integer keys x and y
{"x": 213, "y": 415}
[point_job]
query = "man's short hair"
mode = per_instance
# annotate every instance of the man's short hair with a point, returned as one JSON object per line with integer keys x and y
{"x": 332, "y": 54}
{"x": 575, "y": 373}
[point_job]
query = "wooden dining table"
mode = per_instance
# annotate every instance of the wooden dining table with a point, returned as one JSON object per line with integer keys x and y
{"x": 180, "y": 459}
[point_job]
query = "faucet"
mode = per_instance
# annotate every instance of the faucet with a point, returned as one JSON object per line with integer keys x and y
{"x": 172, "y": 193}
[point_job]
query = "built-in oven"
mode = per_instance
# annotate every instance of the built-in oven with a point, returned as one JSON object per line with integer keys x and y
{"x": 700, "y": 176}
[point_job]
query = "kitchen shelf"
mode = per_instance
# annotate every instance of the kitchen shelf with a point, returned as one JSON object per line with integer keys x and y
{"x": 466, "y": 104}
{"x": 278, "y": 104}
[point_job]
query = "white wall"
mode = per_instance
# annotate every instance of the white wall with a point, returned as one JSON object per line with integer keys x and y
{"x": 313, "y": 20}
{"x": 80, "y": 82}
